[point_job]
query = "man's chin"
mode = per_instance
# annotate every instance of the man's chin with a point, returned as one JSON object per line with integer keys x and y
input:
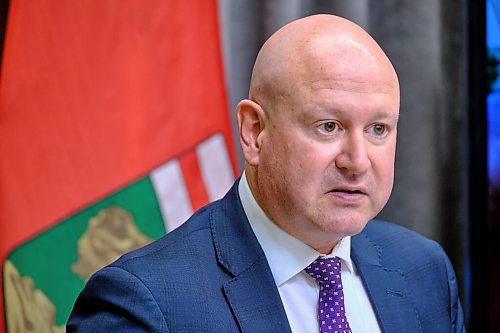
{"x": 346, "y": 227}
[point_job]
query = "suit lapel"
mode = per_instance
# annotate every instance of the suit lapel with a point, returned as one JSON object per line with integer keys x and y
{"x": 393, "y": 305}
{"x": 252, "y": 293}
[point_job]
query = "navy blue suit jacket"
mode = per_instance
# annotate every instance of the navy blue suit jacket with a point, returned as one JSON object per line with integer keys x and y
{"x": 211, "y": 275}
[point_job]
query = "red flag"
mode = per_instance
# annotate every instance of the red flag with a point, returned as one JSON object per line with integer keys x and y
{"x": 96, "y": 94}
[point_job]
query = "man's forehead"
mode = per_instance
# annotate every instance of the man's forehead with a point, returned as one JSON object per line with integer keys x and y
{"x": 319, "y": 77}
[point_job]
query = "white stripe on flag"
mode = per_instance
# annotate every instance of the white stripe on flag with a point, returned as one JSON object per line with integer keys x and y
{"x": 172, "y": 194}
{"x": 215, "y": 166}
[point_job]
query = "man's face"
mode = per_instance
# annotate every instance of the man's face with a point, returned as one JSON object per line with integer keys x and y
{"x": 326, "y": 163}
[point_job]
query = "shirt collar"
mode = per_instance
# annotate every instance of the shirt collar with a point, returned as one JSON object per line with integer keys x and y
{"x": 343, "y": 251}
{"x": 286, "y": 255}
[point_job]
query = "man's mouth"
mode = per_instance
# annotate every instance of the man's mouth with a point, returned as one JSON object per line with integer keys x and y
{"x": 349, "y": 190}
{"x": 349, "y": 194}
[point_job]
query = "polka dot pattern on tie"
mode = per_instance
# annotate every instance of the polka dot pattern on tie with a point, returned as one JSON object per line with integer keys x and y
{"x": 331, "y": 310}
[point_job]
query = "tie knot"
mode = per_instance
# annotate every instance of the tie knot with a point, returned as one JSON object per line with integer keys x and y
{"x": 326, "y": 272}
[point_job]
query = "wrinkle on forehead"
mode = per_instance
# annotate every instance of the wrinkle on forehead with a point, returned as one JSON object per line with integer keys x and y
{"x": 354, "y": 86}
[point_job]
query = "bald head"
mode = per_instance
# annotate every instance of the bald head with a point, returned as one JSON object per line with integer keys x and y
{"x": 314, "y": 48}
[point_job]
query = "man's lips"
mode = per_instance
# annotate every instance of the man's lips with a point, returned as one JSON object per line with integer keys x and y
{"x": 349, "y": 190}
{"x": 349, "y": 194}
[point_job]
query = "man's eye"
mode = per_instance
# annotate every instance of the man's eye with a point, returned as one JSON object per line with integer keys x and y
{"x": 329, "y": 126}
{"x": 379, "y": 129}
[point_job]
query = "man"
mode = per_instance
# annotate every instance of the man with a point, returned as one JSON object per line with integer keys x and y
{"x": 318, "y": 134}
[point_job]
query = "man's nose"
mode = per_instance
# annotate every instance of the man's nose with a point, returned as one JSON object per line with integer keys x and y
{"x": 353, "y": 157}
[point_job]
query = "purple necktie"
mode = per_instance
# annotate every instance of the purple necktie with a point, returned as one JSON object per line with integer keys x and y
{"x": 331, "y": 310}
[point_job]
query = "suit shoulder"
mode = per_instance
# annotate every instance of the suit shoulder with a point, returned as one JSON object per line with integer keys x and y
{"x": 387, "y": 232}
{"x": 193, "y": 236}
{"x": 400, "y": 243}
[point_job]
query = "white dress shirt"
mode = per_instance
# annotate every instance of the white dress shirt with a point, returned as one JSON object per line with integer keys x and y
{"x": 288, "y": 257}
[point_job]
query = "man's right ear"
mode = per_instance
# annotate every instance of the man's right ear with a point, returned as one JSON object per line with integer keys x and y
{"x": 251, "y": 120}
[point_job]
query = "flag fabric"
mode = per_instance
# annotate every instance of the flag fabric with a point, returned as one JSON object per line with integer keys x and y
{"x": 113, "y": 130}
